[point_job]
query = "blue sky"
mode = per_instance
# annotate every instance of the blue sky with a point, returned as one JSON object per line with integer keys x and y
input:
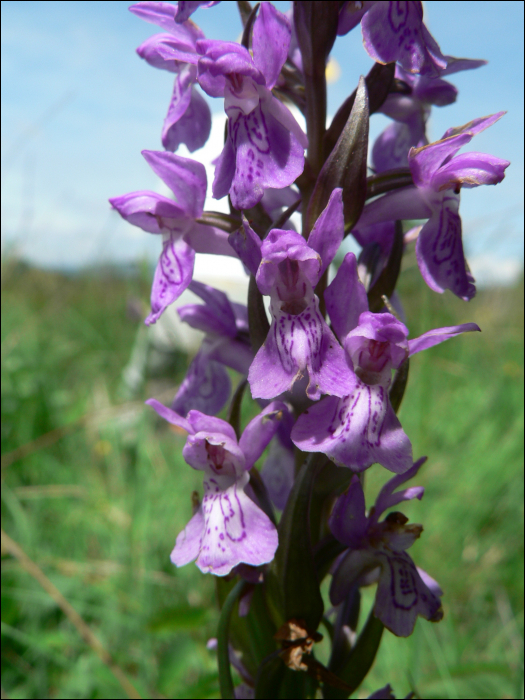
{"x": 78, "y": 106}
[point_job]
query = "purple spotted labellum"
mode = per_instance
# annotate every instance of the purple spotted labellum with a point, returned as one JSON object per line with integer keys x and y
{"x": 438, "y": 175}
{"x": 395, "y": 32}
{"x": 226, "y": 343}
{"x": 299, "y": 342}
{"x": 228, "y": 528}
{"x": 264, "y": 144}
{"x": 377, "y": 552}
{"x": 361, "y": 428}
{"x": 182, "y": 236}
{"x": 188, "y": 119}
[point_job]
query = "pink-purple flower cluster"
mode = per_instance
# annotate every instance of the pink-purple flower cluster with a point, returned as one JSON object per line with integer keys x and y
{"x": 323, "y": 347}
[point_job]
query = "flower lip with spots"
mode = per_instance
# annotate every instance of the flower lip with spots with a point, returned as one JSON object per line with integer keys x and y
{"x": 228, "y": 528}
{"x": 377, "y": 550}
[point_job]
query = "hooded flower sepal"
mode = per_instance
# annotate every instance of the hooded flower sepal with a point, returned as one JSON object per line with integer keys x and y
{"x": 176, "y": 221}
{"x": 377, "y": 552}
{"x": 228, "y": 528}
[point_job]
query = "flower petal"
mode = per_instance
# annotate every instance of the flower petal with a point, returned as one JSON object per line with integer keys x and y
{"x": 201, "y": 422}
{"x": 355, "y": 431}
{"x": 260, "y": 431}
{"x": 402, "y": 595}
{"x": 163, "y": 15}
{"x": 392, "y": 145}
{"x": 278, "y": 472}
{"x": 348, "y": 570}
{"x": 151, "y": 212}
{"x": 405, "y": 203}
{"x": 268, "y": 153}
{"x": 185, "y": 177}
{"x": 348, "y": 521}
{"x": 439, "y": 252}
{"x": 424, "y": 162}
{"x": 247, "y": 245}
{"x": 296, "y": 344}
{"x": 475, "y": 126}
{"x": 215, "y": 316}
{"x": 153, "y": 52}
{"x": 328, "y": 231}
{"x": 394, "y": 31}
{"x": 189, "y": 541}
{"x": 214, "y": 451}
{"x": 271, "y": 28}
{"x": 346, "y": 297}
{"x": 439, "y": 335}
{"x": 470, "y": 170}
{"x": 209, "y": 239}
{"x": 237, "y": 354}
{"x": 206, "y": 386}
{"x": 172, "y": 276}
{"x": 235, "y": 531}
{"x": 170, "y": 415}
{"x": 224, "y": 170}
{"x": 191, "y": 126}
{"x": 388, "y": 499}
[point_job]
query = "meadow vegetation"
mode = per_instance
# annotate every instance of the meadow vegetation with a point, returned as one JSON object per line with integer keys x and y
{"x": 94, "y": 490}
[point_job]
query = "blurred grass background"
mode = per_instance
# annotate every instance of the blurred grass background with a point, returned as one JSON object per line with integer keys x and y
{"x": 94, "y": 490}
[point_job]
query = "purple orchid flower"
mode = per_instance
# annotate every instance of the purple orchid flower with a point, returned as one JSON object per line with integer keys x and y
{"x": 377, "y": 551}
{"x": 206, "y": 386}
{"x": 411, "y": 112}
{"x": 299, "y": 341}
{"x": 182, "y": 235}
{"x": 438, "y": 177}
{"x": 188, "y": 119}
{"x": 394, "y": 31}
{"x": 361, "y": 428}
{"x": 228, "y": 528}
{"x": 264, "y": 145}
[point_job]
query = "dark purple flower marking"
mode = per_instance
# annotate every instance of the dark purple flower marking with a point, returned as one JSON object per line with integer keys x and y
{"x": 376, "y": 552}
{"x": 228, "y": 528}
